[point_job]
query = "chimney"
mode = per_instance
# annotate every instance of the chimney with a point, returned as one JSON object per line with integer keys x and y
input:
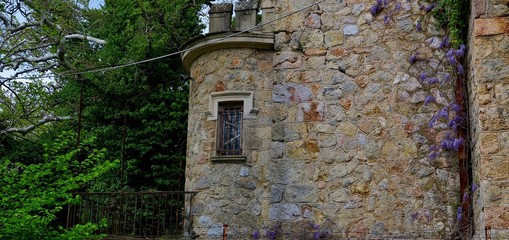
{"x": 245, "y": 11}
{"x": 267, "y": 15}
{"x": 220, "y": 16}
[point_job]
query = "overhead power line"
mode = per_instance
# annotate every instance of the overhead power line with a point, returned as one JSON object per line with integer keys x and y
{"x": 110, "y": 68}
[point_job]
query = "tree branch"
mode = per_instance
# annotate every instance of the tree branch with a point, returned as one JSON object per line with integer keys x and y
{"x": 83, "y": 37}
{"x": 25, "y": 130}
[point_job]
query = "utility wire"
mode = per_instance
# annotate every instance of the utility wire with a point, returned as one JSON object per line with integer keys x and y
{"x": 105, "y": 69}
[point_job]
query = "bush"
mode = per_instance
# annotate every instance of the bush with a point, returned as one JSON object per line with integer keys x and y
{"x": 32, "y": 195}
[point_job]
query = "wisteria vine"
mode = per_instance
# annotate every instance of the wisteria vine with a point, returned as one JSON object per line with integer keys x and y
{"x": 453, "y": 113}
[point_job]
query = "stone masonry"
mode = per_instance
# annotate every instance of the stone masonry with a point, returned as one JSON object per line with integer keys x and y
{"x": 489, "y": 112}
{"x": 341, "y": 137}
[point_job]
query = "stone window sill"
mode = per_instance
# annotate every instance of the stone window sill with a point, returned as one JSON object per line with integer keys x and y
{"x": 228, "y": 159}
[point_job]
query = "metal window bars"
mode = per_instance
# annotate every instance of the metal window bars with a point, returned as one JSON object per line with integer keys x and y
{"x": 229, "y": 141}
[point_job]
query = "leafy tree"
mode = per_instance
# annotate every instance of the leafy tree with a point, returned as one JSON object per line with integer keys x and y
{"x": 140, "y": 112}
{"x": 32, "y": 195}
{"x": 38, "y": 37}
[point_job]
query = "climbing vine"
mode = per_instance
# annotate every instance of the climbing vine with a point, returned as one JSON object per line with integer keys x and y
{"x": 451, "y": 15}
{"x": 451, "y": 114}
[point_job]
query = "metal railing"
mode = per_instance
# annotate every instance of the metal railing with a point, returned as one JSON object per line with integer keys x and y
{"x": 134, "y": 214}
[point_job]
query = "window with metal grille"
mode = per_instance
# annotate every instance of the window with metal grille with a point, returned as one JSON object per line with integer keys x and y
{"x": 229, "y": 134}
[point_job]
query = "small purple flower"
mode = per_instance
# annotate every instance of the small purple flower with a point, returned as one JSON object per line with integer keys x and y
{"x": 432, "y": 81}
{"x": 443, "y": 113}
{"x": 423, "y": 76}
{"x": 460, "y": 69}
{"x": 419, "y": 26}
{"x": 434, "y": 155}
{"x": 413, "y": 59}
{"x": 453, "y": 125}
{"x": 457, "y": 143}
{"x": 387, "y": 18}
{"x": 450, "y": 53}
{"x": 465, "y": 196}
{"x": 474, "y": 187}
{"x": 430, "y": 7}
{"x": 445, "y": 42}
{"x": 432, "y": 121}
{"x": 414, "y": 216}
{"x": 433, "y": 148}
{"x": 256, "y": 234}
{"x": 452, "y": 60}
{"x": 375, "y": 10}
{"x": 460, "y": 52}
{"x": 397, "y": 7}
{"x": 429, "y": 99}
{"x": 460, "y": 213}
{"x": 316, "y": 235}
{"x": 456, "y": 107}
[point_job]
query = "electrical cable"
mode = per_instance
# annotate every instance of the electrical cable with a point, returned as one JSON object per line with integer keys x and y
{"x": 105, "y": 69}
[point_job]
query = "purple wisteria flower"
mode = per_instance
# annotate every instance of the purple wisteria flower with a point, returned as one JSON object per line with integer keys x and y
{"x": 432, "y": 81}
{"x": 429, "y": 99}
{"x": 430, "y": 7}
{"x": 414, "y": 216}
{"x": 459, "y": 214}
{"x": 413, "y": 59}
{"x": 460, "y": 69}
{"x": 457, "y": 143}
{"x": 450, "y": 53}
{"x": 419, "y": 26}
{"x": 397, "y": 7}
{"x": 256, "y": 234}
{"x": 452, "y": 60}
{"x": 433, "y": 155}
{"x": 456, "y": 107}
{"x": 445, "y": 42}
{"x": 375, "y": 10}
{"x": 423, "y": 76}
{"x": 443, "y": 113}
{"x": 387, "y": 19}
{"x": 460, "y": 52}
{"x": 474, "y": 187}
{"x": 316, "y": 235}
{"x": 465, "y": 196}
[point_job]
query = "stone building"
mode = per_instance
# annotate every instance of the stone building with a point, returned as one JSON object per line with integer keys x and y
{"x": 316, "y": 122}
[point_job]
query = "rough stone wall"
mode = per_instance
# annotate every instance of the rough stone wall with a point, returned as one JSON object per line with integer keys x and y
{"x": 342, "y": 136}
{"x": 230, "y": 193}
{"x": 489, "y": 113}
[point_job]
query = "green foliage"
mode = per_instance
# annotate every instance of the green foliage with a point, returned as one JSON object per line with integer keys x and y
{"x": 32, "y": 195}
{"x": 451, "y": 14}
{"x": 140, "y": 112}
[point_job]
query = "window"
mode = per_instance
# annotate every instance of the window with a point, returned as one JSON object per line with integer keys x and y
{"x": 229, "y": 129}
{"x": 230, "y": 109}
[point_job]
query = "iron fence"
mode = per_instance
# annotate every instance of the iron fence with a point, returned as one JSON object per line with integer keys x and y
{"x": 134, "y": 214}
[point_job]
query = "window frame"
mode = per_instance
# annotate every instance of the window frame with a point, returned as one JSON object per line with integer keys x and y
{"x": 228, "y": 113}
{"x": 242, "y": 98}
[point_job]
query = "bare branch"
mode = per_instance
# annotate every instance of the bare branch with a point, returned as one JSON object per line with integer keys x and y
{"x": 4, "y": 19}
{"x": 36, "y": 59}
{"x": 25, "y": 130}
{"x": 24, "y": 26}
{"x": 83, "y": 37}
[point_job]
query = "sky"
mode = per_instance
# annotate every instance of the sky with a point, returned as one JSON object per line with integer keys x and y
{"x": 96, "y": 3}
